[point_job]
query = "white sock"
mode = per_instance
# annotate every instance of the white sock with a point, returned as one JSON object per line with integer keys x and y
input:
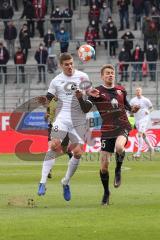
{"x": 147, "y": 142}
{"x": 140, "y": 143}
{"x": 72, "y": 166}
{"x": 47, "y": 166}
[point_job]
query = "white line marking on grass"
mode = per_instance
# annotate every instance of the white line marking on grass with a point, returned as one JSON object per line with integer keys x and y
{"x": 126, "y": 168}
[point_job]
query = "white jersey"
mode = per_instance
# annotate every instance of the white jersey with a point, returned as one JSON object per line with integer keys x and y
{"x": 68, "y": 107}
{"x": 144, "y": 103}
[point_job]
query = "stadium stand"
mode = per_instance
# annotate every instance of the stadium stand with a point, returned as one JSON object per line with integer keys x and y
{"x": 11, "y": 94}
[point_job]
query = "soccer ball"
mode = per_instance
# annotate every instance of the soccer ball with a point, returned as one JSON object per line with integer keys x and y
{"x": 86, "y": 52}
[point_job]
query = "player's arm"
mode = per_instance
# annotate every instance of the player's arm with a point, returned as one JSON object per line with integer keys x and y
{"x": 129, "y": 107}
{"x": 150, "y": 106}
{"x": 85, "y": 105}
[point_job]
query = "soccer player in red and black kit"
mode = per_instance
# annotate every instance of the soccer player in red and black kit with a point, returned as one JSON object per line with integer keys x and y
{"x": 112, "y": 104}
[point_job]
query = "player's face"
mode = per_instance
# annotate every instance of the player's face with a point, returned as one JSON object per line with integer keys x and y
{"x": 68, "y": 67}
{"x": 138, "y": 92}
{"x": 108, "y": 76}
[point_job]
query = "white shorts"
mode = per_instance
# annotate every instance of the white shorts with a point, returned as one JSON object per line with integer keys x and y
{"x": 76, "y": 134}
{"x": 142, "y": 125}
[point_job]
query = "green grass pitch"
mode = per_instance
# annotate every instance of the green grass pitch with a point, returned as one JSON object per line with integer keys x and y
{"x": 133, "y": 214}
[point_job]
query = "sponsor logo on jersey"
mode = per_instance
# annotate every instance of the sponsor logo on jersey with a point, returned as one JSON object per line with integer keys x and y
{"x": 119, "y": 92}
{"x": 114, "y": 103}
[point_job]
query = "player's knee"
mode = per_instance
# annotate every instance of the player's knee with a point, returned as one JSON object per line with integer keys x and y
{"x": 77, "y": 154}
{"x": 104, "y": 168}
{"x": 119, "y": 149}
{"x": 55, "y": 145}
{"x": 104, "y": 164}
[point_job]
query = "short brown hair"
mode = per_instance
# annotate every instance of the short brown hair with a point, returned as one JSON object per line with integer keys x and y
{"x": 107, "y": 66}
{"x": 65, "y": 56}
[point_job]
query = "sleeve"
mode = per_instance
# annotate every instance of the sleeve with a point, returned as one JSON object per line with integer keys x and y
{"x": 52, "y": 87}
{"x": 126, "y": 103}
{"x": 131, "y": 102}
{"x": 149, "y": 104}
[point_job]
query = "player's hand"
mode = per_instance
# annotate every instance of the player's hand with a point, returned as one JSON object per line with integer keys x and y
{"x": 78, "y": 93}
{"x": 135, "y": 108}
{"x": 93, "y": 92}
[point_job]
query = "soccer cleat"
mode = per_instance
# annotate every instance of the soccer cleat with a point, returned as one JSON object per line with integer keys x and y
{"x": 41, "y": 189}
{"x": 137, "y": 155}
{"x": 117, "y": 179}
{"x": 66, "y": 190}
{"x": 105, "y": 199}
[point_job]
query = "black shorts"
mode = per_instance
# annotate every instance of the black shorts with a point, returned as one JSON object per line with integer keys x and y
{"x": 49, "y": 131}
{"x": 108, "y": 144}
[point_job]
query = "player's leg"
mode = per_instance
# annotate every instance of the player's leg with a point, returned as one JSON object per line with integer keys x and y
{"x": 104, "y": 176}
{"x": 151, "y": 148}
{"x": 48, "y": 163}
{"x": 65, "y": 146}
{"x": 49, "y": 139}
{"x": 54, "y": 150}
{"x": 119, "y": 155}
{"x": 72, "y": 167}
{"x": 107, "y": 148}
{"x": 76, "y": 136}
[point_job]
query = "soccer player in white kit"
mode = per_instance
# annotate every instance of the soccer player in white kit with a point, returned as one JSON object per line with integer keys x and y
{"x": 142, "y": 119}
{"x": 69, "y": 119}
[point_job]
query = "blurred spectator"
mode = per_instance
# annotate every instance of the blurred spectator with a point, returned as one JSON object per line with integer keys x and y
{"x": 6, "y": 11}
{"x": 94, "y": 14}
{"x": 111, "y": 33}
{"x": 41, "y": 56}
{"x": 96, "y": 29}
{"x": 110, "y": 4}
{"x": 138, "y": 7}
{"x": 49, "y": 39}
{"x": 72, "y": 4}
{"x": 28, "y": 12}
{"x": 124, "y": 58}
{"x": 154, "y": 11}
{"x": 4, "y": 58}
{"x": 137, "y": 59}
{"x": 152, "y": 56}
{"x": 63, "y": 38}
{"x": 105, "y": 27}
{"x": 105, "y": 13}
{"x": 49, "y": 5}
{"x": 56, "y": 19}
{"x": 40, "y": 11}
{"x": 150, "y": 31}
{"x": 123, "y": 13}
{"x": 68, "y": 13}
{"x": 128, "y": 40}
{"x": 24, "y": 39}
{"x": 10, "y": 34}
{"x": 147, "y": 6}
{"x": 98, "y": 3}
{"x": 20, "y": 60}
{"x": 86, "y": 3}
{"x": 15, "y": 4}
{"x": 25, "y": 2}
{"x": 157, "y": 4}
{"x": 155, "y": 15}
{"x": 90, "y": 37}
